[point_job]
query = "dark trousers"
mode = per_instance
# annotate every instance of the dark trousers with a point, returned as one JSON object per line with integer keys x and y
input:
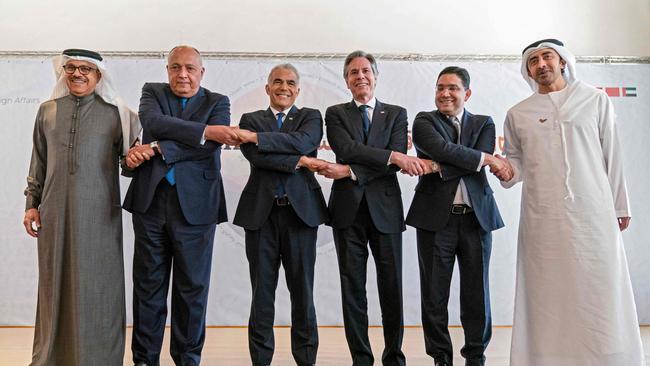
{"x": 165, "y": 241}
{"x": 283, "y": 239}
{"x": 352, "y": 252}
{"x": 437, "y": 251}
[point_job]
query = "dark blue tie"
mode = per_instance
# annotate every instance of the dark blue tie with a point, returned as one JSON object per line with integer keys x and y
{"x": 366, "y": 121}
{"x": 279, "y": 190}
{"x": 171, "y": 178}
{"x": 280, "y": 117}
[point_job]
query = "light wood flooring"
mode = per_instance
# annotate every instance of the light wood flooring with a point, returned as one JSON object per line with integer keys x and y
{"x": 229, "y": 346}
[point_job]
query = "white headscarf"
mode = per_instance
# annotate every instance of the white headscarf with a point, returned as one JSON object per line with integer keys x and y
{"x": 128, "y": 119}
{"x": 569, "y": 73}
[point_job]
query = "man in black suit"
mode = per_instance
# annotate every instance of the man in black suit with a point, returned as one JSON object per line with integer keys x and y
{"x": 454, "y": 212}
{"x": 281, "y": 208}
{"x": 176, "y": 198}
{"x": 369, "y": 139}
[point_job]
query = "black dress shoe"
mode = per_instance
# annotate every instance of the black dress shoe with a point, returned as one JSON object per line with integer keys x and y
{"x": 141, "y": 364}
{"x": 441, "y": 363}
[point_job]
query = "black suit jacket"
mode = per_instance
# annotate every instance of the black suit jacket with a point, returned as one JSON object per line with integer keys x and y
{"x": 179, "y": 132}
{"x": 274, "y": 159}
{"x": 375, "y": 178}
{"x": 434, "y": 137}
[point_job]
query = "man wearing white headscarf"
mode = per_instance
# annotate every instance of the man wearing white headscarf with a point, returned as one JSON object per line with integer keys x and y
{"x": 574, "y": 303}
{"x": 73, "y": 208}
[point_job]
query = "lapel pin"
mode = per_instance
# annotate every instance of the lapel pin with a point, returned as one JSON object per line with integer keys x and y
{"x": 542, "y": 120}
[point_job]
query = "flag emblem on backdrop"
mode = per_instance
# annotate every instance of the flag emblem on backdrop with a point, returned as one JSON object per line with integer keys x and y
{"x": 625, "y": 91}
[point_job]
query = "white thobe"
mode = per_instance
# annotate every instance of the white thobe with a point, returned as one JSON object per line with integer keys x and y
{"x": 574, "y": 304}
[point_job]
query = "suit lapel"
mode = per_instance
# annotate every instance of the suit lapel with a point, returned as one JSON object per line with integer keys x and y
{"x": 192, "y": 105}
{"x": 467, "y": 135}
{"x": 378, "y": 122}
{"x": 290, "y": 121}
{"x": 172, "y": 102}
{"x": 447, "y": 127}
{"x": 270, "y": 121}
{"x": 354, "y": 121}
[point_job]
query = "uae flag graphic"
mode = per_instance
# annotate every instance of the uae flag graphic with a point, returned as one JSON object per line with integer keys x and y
{"x": 626, "y": 91}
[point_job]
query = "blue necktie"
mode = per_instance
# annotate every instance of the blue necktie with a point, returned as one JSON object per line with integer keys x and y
{"x": 171, "y": 178}
{"x": 280, "y": 116}
{"x": 366, "y": 121}
{"x": 279, "y": 190}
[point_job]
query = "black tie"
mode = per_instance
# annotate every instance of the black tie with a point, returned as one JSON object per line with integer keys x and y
{"x": 366, "y": 121}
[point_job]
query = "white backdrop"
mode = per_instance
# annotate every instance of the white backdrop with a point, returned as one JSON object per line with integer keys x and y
{"x": 588, "y": 27}
{"x": 26, "y": 82}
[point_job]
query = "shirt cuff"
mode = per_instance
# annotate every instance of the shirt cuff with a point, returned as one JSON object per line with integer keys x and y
{"x": 202, "y": 142}
{"x": 480, "y": 163}
{"x": 352, "y": 175}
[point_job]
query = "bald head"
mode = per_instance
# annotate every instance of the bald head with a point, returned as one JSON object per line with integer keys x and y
{"x": 185, "y": 71}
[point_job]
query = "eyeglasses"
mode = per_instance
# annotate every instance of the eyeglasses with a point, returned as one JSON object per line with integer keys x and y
{"x": 84, "y": 70}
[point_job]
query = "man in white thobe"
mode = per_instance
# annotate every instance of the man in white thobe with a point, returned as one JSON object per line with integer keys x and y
{"x": 574, "y": 303}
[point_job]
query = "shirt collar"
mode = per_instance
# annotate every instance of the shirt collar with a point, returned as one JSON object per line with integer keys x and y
{"x": 275, "y": 111}
{"x": 459, "y": 116}
{"x": 371, "y": 103}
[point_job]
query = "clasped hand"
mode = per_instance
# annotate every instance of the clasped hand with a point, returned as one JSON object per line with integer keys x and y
{"x": 500, "y": 167}
{"x": 233, "y": 136}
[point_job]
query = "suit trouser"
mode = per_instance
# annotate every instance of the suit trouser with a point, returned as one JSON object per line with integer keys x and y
{"x": 164, "y": 240}
{"x": 283, "y": 239}
{"x": 464, "y": 238}
{"x": 352, "y": 252}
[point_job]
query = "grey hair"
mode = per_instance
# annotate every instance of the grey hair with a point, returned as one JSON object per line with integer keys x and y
{"x": 286, "y": 66}
{"x": 359, "y": 53}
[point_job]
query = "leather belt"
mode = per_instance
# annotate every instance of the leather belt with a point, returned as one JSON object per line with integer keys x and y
{"x": 282, "y": 201}
{"x": 460, "y": 209}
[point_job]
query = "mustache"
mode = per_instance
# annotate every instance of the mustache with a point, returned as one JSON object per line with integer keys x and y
{"x": 77, "y": 78}
{"x": 541, "y": 71}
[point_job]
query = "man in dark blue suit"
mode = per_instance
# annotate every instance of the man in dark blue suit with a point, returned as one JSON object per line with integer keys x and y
{"x": 281, "y": 208}
{"x": 454, "y": 213}
{"x": 176, "y": 198}
{"x": 369, "y": 139}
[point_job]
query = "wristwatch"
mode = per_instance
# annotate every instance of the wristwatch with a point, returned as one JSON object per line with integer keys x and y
{"x": 435, "y": 167}
{"x": 154, "y": 146}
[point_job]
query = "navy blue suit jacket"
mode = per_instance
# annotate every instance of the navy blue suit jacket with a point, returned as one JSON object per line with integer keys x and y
{"x": 179, "y": 132}
{"x": 273, "y": 161}
{"x": 434, "y": 137}
{"x": 375, "y": 178}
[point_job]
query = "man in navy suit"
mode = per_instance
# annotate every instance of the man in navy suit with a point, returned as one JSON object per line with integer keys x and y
{"x": 176, "y": 198}
{"x": 369, "y": 139}
{"x": 281, "y": 208}
{"x": 454, "y": 213}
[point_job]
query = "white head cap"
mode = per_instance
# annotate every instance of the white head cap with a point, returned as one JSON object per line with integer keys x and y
{"x": 569, "y": 73}
{"x": 105, "y": 89}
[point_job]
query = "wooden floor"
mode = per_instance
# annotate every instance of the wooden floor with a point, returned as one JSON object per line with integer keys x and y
{"x": 229, "y": 347}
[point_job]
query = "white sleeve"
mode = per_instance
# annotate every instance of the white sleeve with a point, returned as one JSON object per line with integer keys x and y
{"x": 612, "y": 156}
{"x": 512, "y": 150}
